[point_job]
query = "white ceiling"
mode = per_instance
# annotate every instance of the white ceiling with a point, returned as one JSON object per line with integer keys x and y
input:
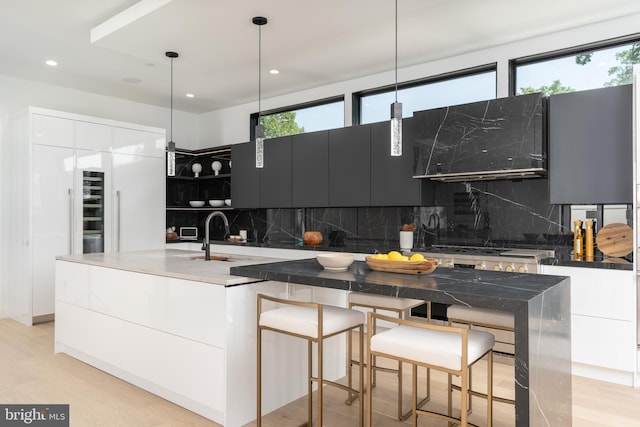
{"x": 312, "y": 43}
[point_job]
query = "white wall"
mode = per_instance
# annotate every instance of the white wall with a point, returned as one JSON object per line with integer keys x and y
{"x": 231, "y": 125}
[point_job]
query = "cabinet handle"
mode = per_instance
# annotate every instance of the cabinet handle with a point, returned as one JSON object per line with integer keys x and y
{"x": 118, "y": 221}
{"x": 70, "y": 199}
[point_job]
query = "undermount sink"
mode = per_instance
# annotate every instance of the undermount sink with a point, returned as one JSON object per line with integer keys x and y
{"x": 212, "y": 258}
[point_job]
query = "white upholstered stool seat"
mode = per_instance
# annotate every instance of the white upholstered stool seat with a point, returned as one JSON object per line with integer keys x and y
{"x": 303, "y": 321}
{"x": 313, "y": 322}
{"x": 399, "y": 306}
{"x": 362, "y": 299}
{"x": 431, "y": 347}
{"x": 486, "y": 318}
{"x": 480, "y": 317}
{"x": 449, "y": 349}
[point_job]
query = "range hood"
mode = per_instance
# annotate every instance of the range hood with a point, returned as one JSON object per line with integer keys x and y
{"x": 502, "y": 138}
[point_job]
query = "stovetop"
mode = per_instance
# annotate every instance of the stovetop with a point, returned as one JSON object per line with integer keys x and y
{"x": 492, "y": 251}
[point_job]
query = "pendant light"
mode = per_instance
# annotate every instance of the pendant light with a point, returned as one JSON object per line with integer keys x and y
{"x": 171, "y": 146}
{"x": 396, "y": 107}
{"x": 259, "y": 130}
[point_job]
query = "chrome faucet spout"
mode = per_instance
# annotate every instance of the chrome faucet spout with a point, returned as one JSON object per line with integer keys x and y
{"x": 207, "y": 241}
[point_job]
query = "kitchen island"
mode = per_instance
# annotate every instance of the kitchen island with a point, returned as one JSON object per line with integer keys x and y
{"x": 183, "y": 329}
{"x": 540, "y": 304}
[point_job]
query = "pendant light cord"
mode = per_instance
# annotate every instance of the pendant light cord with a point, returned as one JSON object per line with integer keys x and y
{"x": 171, "y": 55}
{"x": 259, "y": 69}
{"x": 171, "y": 114}
{"x": 396, "y": 63}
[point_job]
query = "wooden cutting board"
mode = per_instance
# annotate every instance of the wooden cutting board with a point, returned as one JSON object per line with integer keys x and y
{"x": 615, "y": 240}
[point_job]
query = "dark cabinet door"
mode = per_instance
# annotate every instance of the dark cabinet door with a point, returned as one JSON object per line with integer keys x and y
{"x": 349, "y": 166}
{"x": 590, "y": 146}
{"x": 392, "y": 182}
{"x": 245, "y": 177}
{"x": 275, "y": 176}
{"x": 310, "y": 168}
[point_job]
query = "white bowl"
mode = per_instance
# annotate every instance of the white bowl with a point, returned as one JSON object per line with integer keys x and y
{"x": 216, "y": 203}
{"x": 196, "y": 203}
{"x": 335, "y": 261}
{"x": 227, "y": 202}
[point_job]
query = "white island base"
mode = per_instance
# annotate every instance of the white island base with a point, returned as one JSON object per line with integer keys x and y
{"x": 190, "y": 341}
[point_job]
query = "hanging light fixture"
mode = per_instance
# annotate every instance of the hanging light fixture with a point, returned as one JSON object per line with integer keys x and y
{"x": 259, "y": 130}
{"x": 396, "y": 107}
{"x": 171, "y": 146}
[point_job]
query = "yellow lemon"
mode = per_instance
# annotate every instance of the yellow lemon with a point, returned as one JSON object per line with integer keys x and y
{"x": 395, "y": 255}
{"x": 404, "y": 258}
{"x": 380, "y": 256}
{"x": 417, "y": 257}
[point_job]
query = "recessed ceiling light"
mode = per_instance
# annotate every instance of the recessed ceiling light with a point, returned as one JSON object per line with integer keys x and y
{"x": 190, "y": 95}
{"x": 51, "y": 63}
{"x": 274, "y": 71}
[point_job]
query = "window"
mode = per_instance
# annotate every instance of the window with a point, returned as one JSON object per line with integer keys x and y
{"x": 319, "y": 115}
{"x": 449, "y": 89}
{"x": 581, "y": 68}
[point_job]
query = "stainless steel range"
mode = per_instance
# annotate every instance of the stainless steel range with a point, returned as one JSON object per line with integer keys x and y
{"x": 483, "y": 258}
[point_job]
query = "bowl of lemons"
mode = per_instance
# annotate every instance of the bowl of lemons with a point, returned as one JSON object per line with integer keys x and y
{"x": 396, "y": 262}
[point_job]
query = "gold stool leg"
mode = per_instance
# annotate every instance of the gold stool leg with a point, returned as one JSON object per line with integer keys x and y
{"x": 490, "y": 389}
{"x": 320, "y": 380}
{"x": 310, "y": 382}
{"x": 361, "y": 374}
{"x": 259, "y": 380}
{"x": 414, "y": 395}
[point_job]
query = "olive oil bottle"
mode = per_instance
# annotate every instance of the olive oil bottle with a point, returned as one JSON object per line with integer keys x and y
{"x": 578, "y": 240}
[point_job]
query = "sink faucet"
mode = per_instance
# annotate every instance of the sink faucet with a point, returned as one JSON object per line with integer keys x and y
{"x": 206, "y": 244}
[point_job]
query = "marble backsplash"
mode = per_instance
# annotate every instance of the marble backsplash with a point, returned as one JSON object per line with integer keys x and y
{"x": 501, "y": 213}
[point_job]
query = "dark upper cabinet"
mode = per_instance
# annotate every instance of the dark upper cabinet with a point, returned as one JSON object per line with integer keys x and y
{"x": 275, "y": 176}
{"x": 503, "y": 137}
{"x": 590, "y": 146}
{"x": 392, "y": 182}
{"x": 349, "y": 166}
{"x": 245, "y": 191}
{"x": 310, "y": 169}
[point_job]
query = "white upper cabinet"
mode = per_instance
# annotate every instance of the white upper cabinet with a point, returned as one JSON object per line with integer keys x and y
{"x": 49, "y": 130}
{"x": 139, "y": 142}
{"x": 93, "y": 136}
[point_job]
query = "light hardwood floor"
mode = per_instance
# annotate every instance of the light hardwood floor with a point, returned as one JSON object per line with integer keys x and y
{"x": 31, "y": 373}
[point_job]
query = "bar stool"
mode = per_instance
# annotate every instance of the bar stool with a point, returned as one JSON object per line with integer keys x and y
{"x": 448, "y": 349}
{"x": 313, "y": 322}
{"x": 399, "y": 306}
{"x": 492, "y": 319}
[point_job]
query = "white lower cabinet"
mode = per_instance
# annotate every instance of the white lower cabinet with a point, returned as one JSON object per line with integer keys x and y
{"x": 603, "y": 322}
{"x": 190, "y": 342}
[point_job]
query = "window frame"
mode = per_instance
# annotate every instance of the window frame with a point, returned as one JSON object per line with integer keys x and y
{"x": 563, "y": 53}
{"x": 253, "y": 117}
{"x": 357, "y": 97}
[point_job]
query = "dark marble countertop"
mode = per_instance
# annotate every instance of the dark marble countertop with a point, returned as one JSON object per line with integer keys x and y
{"x": 563, "y": 256}
{"x": 489, "y": 289}
{"x": 566, "y": 259}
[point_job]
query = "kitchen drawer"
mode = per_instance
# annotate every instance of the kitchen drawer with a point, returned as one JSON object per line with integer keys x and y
{"x": 603, "y": 342}
{"x": 601, "y": 293}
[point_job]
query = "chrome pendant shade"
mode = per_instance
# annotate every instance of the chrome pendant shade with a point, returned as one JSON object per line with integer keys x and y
{"x": 171, "y": 146}
{"x": 259, "y": 130}
{"x": 396, "y": 107}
